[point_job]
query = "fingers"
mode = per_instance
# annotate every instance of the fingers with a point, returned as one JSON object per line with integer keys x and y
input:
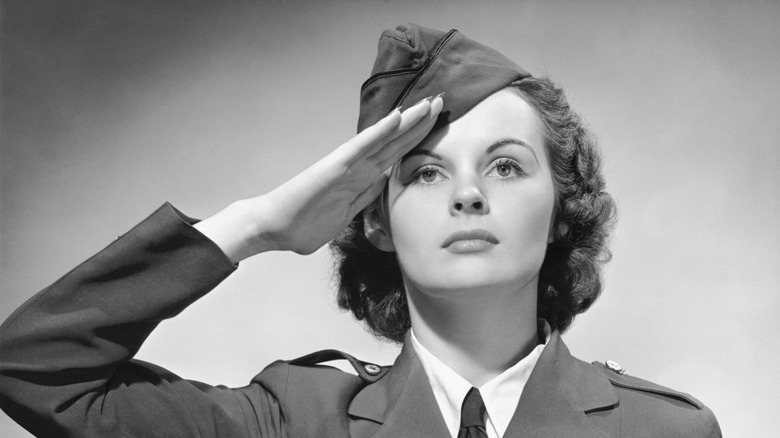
{"x": 378, "y": 131}
{"x": 395, "y": 149}
{"x": 413, "y": 120}
{"x": 413, "y": 115}
{"x": 376, "y": 136}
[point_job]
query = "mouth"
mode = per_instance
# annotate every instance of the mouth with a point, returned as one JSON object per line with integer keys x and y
{"x": 476, "y": 240}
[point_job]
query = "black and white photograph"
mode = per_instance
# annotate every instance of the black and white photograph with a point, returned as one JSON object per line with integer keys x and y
{"x": 464, "y": 219}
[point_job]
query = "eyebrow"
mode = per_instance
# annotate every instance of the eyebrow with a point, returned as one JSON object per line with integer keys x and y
{"x": 497, "y": 145}
{"x": 425, "y": 152}
{"x": 516, "y": 141}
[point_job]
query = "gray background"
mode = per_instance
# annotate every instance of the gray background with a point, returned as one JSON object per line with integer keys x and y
{"x": 110, "y": 108}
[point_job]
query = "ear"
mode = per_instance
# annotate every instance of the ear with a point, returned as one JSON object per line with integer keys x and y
{"x": 375, "y": 230}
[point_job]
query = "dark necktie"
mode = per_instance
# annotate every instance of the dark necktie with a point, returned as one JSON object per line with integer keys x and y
{"x": 472, "y": 416}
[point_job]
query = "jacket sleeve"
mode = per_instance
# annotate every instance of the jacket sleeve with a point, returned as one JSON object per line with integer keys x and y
{"x": 66, "y": 365}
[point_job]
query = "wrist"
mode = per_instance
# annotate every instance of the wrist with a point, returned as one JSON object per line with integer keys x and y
{"x": 239, "y": 229}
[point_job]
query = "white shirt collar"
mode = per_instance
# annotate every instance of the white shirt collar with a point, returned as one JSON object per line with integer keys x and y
{"x": 501, "y": 394}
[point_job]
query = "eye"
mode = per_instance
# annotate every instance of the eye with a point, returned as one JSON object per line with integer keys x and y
{"x": 505, "y": 168}
{"x": 427, "y": 175}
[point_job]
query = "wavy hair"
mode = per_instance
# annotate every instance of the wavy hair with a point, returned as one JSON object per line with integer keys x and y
{"x": 370, "y": 281}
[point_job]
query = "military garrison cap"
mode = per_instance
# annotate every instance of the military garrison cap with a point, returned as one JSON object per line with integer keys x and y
{"x": 415, "y": 62}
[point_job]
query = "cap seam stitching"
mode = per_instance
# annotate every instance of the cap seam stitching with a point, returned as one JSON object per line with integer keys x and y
{"x": 387, "y": 74}
{"x": 439, "y": 47}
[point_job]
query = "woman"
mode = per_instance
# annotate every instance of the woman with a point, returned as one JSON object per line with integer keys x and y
{"x": 474, "y": 224}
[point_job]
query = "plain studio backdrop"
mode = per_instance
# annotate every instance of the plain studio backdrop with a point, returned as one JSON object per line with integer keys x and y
{"x": 110, "y": 108}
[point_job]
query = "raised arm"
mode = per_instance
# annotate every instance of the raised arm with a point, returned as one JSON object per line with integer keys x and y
{"x": 310, "y": 209}
{"x": 66, "y": 365}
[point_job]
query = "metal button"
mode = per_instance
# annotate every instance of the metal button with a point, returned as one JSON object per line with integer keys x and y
{"x": 614, "y": 366}
{"x": 372, "y": 369}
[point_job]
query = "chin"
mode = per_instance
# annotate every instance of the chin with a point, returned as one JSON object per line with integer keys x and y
{"x": 475, "y": 282}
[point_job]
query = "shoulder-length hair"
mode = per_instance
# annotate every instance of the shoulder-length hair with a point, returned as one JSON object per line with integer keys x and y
{"x": 370, "y": 281}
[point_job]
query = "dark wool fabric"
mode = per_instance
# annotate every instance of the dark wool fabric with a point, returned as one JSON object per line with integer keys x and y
{"x": 415, "y": 62}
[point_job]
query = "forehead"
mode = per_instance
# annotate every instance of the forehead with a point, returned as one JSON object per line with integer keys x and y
{"x": 503, "y": 114}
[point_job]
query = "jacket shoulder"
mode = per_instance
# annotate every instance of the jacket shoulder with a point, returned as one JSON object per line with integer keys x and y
{"x": 309, "y": 372}
{"x": 309, "y": 391}
{"x": 618, "y": 377}
{"x": 650, "y": 409}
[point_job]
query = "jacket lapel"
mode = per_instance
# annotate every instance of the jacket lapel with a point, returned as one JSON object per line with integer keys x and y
{"x": 556, "y": 398}
{"x": 558, "y": 394}
{"x": 402, "y": 401}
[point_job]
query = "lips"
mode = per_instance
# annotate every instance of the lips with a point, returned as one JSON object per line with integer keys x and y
{"x": 470, "y": 235}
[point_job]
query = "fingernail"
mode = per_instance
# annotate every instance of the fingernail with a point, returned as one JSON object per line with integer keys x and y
{"x": 429, "y": 98}
{"x": 396, "y": 109}
{"x": 438, "y": 96}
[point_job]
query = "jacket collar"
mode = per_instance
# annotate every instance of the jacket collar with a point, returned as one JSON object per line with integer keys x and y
{"x": 559, "y": 392}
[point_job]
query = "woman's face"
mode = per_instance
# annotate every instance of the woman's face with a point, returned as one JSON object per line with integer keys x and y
{"x": 470, "y": 208}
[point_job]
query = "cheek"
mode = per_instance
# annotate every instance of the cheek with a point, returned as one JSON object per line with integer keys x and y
{"x": 525, "y": 219}
{"x": 412, "y": 216}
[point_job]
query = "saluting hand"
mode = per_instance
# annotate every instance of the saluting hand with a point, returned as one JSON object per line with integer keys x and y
{"x": 307, "y": 211}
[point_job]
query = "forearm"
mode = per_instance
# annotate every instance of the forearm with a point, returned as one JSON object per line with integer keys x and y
{"x": 65, "y": 354}
{"x": 63, "y": 345}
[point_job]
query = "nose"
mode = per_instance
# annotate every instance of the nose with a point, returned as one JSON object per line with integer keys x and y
{"x": 468, "y": 199}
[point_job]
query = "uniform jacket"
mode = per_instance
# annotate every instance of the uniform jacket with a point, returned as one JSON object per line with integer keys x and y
{"x": 66, "y": 367}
